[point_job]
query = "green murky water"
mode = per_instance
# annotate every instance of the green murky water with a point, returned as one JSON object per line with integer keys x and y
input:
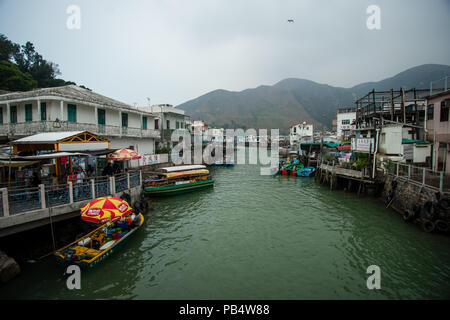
{"x": 259, "y": 237}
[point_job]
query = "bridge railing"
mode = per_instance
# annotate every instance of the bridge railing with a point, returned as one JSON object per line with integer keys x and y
{"x": 20, "y": 200}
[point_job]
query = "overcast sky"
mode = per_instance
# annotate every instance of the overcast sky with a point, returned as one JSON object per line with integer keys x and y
{"x": 173, "y": 51}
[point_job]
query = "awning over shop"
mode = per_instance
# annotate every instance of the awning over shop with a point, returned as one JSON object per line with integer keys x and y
{"x": 16, "y": 164}
{"x": 54, "y": 155}
{"x": 331, "y": 145}
{"x": 79, "y": 141}
{"x": 100, "y": 152}
{"x": 408, "y": 141}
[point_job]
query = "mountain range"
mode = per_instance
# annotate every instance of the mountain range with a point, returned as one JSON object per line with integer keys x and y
{"x": 292, "y": 100}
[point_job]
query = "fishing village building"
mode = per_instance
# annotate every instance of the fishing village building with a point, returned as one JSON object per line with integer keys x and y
{"x": 71, "y": 108}
{"x": 345, "y": 122}
{"x": 301, "y": 131}
{"x": 437, "y": 129}
{"x": 394, "y": 122}
{"x": 167, "y": 119}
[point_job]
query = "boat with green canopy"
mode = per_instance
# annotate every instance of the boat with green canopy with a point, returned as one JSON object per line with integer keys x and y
{"x": 177, "y": 179}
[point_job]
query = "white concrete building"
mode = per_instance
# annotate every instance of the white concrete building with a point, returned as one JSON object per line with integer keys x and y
{"x": 398, "y": 142}
{"x": 166, "y": 114}
{"x": 71, "y": 108}
{"x": 167, "y": 119}
{"x": 345, "y": 122}
{"x": 301, "y": 131}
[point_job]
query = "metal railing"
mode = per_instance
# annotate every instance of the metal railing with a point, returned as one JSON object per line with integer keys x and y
{"x": 19, "y": 200}
{"x": 121, "y": 182}
{"x": 135, "y": 179}
{"x": 421, "y": 175}
{"x": 102, "y": 187}
{"x": 57, "y": 195}
{"x": 82, "y": 191}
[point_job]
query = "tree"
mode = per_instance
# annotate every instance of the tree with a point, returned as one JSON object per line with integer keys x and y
{"x": 28, "y": 60}
{"x": 12, "y": 79}
{"x": 57, "y": 83}
{"x": 23, "y": 62}
{"x": 7, "y": 48}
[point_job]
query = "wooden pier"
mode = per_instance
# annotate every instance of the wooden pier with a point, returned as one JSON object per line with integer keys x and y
{"x": 347, "y": 179}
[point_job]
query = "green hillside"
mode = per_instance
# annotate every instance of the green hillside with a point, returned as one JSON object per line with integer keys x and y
{"x": 293, "y": 100}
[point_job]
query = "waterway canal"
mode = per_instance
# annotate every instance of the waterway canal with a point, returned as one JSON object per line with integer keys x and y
{"x": 259, "y": 237}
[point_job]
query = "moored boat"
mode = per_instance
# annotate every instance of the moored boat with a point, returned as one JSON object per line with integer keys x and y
{"x": 306, "y": 172}
{"x": 97, "y": 245}
{"x": 178, "y": 179}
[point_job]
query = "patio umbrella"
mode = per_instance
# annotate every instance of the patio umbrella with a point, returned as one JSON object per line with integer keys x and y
{"x": 105, "y": 209}
{"x": 124, "y": 155}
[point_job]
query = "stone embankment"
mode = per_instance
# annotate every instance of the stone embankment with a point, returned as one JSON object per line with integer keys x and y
{"x": 9, "y": 268}
{"x": 417, "y": 203}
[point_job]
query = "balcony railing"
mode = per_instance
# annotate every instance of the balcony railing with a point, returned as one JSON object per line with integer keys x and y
{"x": 33, "y": 127}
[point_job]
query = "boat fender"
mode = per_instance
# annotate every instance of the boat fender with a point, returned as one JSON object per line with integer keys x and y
{"x": 444, "y": 203}
{"x": 408, "y": 215}
{"x": 428, "y": 226}
{"x": 442, "y": 225}
{"x": 430, "y": 209}
{"x": 438, "y": 196}
{"x": 394, "y": 184}
{"x": 417, "y": 209}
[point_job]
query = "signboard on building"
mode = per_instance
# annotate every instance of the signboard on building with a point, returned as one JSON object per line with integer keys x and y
{"x": 148, "y": 159}
{"x": 348, "y": 127}
{"x": 363, "y": 144}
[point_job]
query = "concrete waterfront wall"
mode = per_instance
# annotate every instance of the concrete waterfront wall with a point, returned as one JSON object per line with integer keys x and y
{"x": 409, "y": 195}
{"x": 31, "y": 219}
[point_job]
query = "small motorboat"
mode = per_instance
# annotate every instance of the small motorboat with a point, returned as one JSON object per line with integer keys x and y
{"x": 291, "y": 169}
{"x": 177, "y": 180}
{"x": 306, "y": 172}
{"x": 115, "y": 215}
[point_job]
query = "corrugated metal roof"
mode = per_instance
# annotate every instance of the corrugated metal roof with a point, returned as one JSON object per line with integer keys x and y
{"x": 47, "y": 137}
